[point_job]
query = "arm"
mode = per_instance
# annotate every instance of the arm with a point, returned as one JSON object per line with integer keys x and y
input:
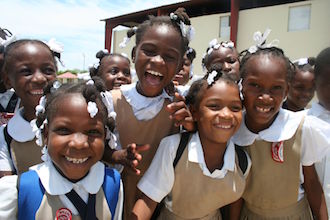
{"x": 8, "y": 198}
{"x": 314, "y": 193}
{"x": 235, "y": 209}
{"x": 143, "y": 208}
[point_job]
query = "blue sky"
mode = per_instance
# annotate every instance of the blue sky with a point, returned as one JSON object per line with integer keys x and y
{"x": 74, "y": 23}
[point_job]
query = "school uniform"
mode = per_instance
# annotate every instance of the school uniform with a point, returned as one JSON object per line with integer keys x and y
{"x": 274, "y": 187}
{"x": 54, "y": 198}
{"x": 140, "y": 120}
{"x": 190, "y": 190}
{"x": 22, "y": 144}
{"x": 9, "y": 103}
{"x": 323, "y": 167}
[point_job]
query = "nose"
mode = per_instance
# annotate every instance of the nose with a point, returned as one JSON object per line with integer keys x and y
{"x": 157, "y": 59}
{"x": 121, "y": 76}
{"x": 265, "y": 97}
{"x": 79, "y": 141}
{"x": 226, "y": 67}
{"x": 38, "y": 77}
{"x": 225, "y": 113}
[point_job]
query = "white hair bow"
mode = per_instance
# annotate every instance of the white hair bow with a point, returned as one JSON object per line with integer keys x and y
{"x": 260, "y": 41}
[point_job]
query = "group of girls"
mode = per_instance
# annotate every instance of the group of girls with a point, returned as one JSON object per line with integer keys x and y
{"x": 259, "y": 162}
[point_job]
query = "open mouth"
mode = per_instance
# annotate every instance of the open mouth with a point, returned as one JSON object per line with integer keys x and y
{"x": 263, "y": 109}
{"x": 76, "y": 160}
{"x": 223, "y": 126}
{"x": 153, "y": 77}
{"x": 37, "y": 92}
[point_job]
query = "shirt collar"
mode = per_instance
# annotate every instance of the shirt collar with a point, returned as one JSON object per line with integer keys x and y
{"x": 55, "y": 184}
{"x": 19, "y": 128}
{"x": 144, "y": 108}
{"x": 196, "y": 155}
{"x": 283, "y": 128}
{"x": 5, "y": 97}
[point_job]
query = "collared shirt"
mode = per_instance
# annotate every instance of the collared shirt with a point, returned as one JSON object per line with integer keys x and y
{"x": 159, "y": 179}
{"x": 323, "y": 167}
{"x": 314, "y": 144}
{"x": 20, "y": 130}
{"x": 5, "y": 97}
{"x": 55, "y": 184}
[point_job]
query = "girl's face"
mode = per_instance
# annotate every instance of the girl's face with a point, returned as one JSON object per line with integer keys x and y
{"x": 75, "y": 140}
{"x": 301, "y": 89}
{"x": 29, "y": 69}
{"x": 219, "y": 113}
{"x": 264, "y": 89}
{"x": 158, "y": 58}
{"x": 115, "y": 71}
{"x": 183, "y": 76}
{"x": 228, "y": 58}
{"x": 323, "y": 87}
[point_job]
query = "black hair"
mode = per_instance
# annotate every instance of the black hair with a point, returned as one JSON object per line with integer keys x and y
{"x": 191, "y": 54}
{"x": 181, "y": 15}
{"x": 11, "y": 49}
{"x": 91, "y": 92}
{"x": 198, "y": 87}
{"x": 322, "y": 61}
{"x": 270, "y": 51}
{"x": 206, "y": 59}
{"x": 306, "y": 67}
{"x": 94, "y": 71}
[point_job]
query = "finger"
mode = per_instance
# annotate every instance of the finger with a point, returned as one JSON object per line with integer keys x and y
{"x": 143, "y": 147}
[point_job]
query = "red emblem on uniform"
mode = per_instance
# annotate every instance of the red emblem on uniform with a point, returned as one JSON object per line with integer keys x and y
{"x": 277, "y": 151}
{"x": 63, "y": 214}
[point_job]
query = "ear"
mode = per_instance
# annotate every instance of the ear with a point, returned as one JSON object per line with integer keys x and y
{"x": 6, "y": 80}
{"x": 45, "y": 134}
{"x": 193, "y": 112}
{"x": 287, "y": 90}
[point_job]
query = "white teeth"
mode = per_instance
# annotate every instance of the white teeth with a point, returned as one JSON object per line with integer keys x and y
{"x": 155, "y": 73}
{"x": 224, "y": 126}
{"x": 75, "y": 160}
{"x": 37, "y": 92}
{"x": 263, "y": 110}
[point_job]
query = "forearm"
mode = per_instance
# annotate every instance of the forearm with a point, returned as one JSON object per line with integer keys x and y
{"x": 235, "y": 209}
{"x": 143, "y": 208}
{"x": 314, "y": 193}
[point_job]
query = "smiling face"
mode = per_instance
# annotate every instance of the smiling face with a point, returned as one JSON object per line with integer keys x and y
{"x": 75, "y": 140}
{"x": 323, "y": 87}
{"x": 219, "y": 113}
{"x": 264, "y": 88}
{"x": 228, "y": 58}
{"x": 158, "y": 58}
{"x": 301, "y": 90}
{"x": 115, "y": 71}
{"x": 183, "y": 76}
{"x": 28, "y": 70}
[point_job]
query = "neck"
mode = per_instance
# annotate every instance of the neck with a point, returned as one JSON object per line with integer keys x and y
{"x": 213, "y": 153}
{"x": 292, "y": 106}
{"x": 256, "y": 127}
{"x": 29, "y": 114}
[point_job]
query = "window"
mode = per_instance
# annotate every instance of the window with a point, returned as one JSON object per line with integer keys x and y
{"x": 224, "y": 27}
{"x": 299, "y": 18}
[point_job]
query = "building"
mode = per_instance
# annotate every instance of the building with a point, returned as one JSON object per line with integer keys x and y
{"x": 302, "y": 27}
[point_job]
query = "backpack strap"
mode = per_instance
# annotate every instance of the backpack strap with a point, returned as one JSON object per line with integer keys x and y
{"x": 8, "y": 140}
{"x": 182, "y": 145}
{"x": 242, "y": 158}
{"x": 30, "y": 193}
{"x": 111, "y": 187}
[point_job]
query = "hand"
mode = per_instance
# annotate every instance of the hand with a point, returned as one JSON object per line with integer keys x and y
{"x": 179, "y": 112}
{"x": 130, "y": 157}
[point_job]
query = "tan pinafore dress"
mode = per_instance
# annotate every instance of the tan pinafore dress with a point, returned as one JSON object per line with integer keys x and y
{"x": 196, "y": 196}
{"x": 272, "y": 187}
{"x": 25, "y": 155}
{"x": 50, "y": 204}
{"x": 131, "y": 130}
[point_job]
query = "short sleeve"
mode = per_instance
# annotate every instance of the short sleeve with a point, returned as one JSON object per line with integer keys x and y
{"x": 5, "y": 160}
{"x": 315, "y": 140}
{"x": 8, "y": 198}
{"x": 158, "y": 180}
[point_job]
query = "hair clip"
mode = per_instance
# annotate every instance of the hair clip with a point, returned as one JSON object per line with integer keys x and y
{"x": 56, "y": 86}
{"x": 112, "y": 138}
{"x": 301, "y": 61}
{"x": 124, "y": 55}
{"x": 90, "y": 82}
{"x": 41, "y": 107}
{"x": 240, "y": 88}
{"x": 213, "y": 44}
{"x": 92, "y": 109}
{"x": 8, "y": 37}
{"x": 260, "y": 41}
{"x": 124, "y": 42}
{"x": 57, "y": 49}
{"x": 105, "y": 51}
{"x": 227, "y": 44}
{"x": 37, "y": 131}
{"x": 211, "y": 76}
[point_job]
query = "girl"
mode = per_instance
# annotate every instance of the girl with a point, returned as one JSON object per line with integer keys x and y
{"x": 281, "y": 144}
{"x": 72, "y": 182}
{"x": 113, "y": 69}
{"x": 186, "y": 73}
{"x": 141, "y": 107}
{"x": 301, "y": 85}
{"x": 28, "y": 66}
{"x": 207, "y": 175}
{"x": 225, "y": 54}
{"x": 322, "y": 111}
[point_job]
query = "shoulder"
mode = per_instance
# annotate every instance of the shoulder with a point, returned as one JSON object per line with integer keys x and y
{"x": 244, "y": 161}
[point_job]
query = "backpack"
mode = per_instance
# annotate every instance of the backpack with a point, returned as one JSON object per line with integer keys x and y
{"x": 31, "y": 192}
